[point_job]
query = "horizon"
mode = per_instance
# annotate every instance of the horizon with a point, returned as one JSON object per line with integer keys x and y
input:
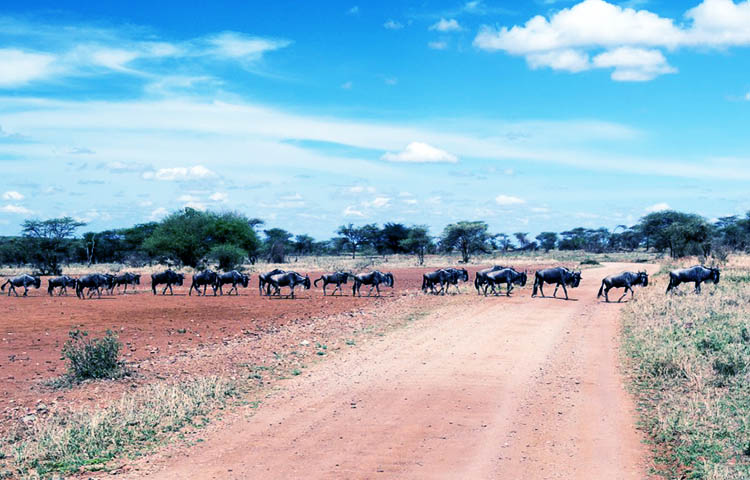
{"x": 538, "y": 117}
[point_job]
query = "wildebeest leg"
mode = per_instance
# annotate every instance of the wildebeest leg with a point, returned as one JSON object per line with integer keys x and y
{"x": 541, "y": 288}
{"x": 554, "y": 294}
{"x": 25, "y": 290}
{"x": 697, "y": 287}
{"x": 510, "y": 289}
{"x": 377, "y": 288}
{"x": 565, "y": 290}
{"x": 324, "y": 289}
{"x": 625, "y": 293}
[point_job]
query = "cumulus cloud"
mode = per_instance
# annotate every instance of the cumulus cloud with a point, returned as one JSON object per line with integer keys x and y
{"x": 658, "y": 207}
{"x": 378, "y": 202}
{"x": 20, "y": 67}
{"x": 219, "y": 197}
{"x": 437, "y": 45}
{"x": 18, "y": 209}
{"x": 624, "y": 39}
{"x": 418, "y": 152}
{"x": 158, "y": 213}
{"x": 508, "y": 200}
{"x": 446, "y": 25}
{"x": 198, "y": 172}
{"x": 12, "y": 195}
{"x": 393, "y": 25}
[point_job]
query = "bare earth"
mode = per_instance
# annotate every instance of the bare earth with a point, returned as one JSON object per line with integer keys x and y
{"x": 497, "y": 388}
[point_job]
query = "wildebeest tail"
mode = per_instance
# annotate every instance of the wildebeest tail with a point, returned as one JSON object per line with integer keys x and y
{"x": 316, "y": 281}
{"x": 671, "y": 282}
{"x": 50, "y": 288}
{"x": 4, "y": 284}
{"x": 601, "y": 290}
{"x": 536, "y": 284}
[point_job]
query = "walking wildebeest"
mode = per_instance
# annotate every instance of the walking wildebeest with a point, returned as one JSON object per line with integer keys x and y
{"x": 167, "y": 277}
{"x": 338, "y": 278}
{"x": 126, "y": 279}
{"x": 509, "y": 276}
{"x": 24, "y": 281}
{"x": 234, "y": 277}
{"x": 697, "y": 274}
{"x": 454, "y": 276}
{"x": 205, "y": 278}
{"x": 62, "y": 283}
{"x": 94, "y": 282}
{"x": 263, "y": 280}
{"x": 431, "y": 279}
{"x": 288, "y": 279}
{"x": 559, "y": 276}
{"x": 374, "y": 279}
{"x": 626, "y": 280}
{"x": 480, "y": 277}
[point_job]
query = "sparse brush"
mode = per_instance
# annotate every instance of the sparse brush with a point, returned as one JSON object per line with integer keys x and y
{"x": 92, "y": 358}
{"x": 689, "y": 358}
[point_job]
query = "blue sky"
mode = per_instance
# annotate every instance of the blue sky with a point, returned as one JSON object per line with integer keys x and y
{"x": 537, "y": 116}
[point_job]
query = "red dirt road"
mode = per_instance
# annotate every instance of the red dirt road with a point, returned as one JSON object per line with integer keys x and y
{"x": 497, "y": 388}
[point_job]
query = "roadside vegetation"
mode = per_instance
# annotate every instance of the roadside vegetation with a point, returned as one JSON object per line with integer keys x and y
{"x": 690, "y": 367}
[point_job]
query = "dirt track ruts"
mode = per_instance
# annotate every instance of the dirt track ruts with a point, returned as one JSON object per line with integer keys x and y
{"x": 506, "y": 388}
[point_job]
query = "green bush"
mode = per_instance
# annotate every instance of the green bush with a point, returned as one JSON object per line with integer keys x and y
{"x": 228, "y": 256}
{"x": 92, "y": 358}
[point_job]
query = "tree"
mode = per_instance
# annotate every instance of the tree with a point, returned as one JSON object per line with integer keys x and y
{"x": 680, "y": 233}
{"x": 417, "y": 242}
{"x": 228, "y": 256}
{"x": 354, "y": 237}
{"x": 547, "y": 240}
{"x": 234, "y": 228}
{"x": 185, "y": 235}
{"x": 303, "y": 244}
{"x": 503, "y": 241}
{"x": 467, "y": 237}
{"x": 391, "y": 236}
{"x": 277, "y": 244}
{"x": 50, "y": 242}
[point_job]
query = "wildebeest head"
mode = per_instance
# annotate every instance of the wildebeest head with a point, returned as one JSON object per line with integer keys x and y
{"x": 389, "y": 278}
{"x": 245, "y": 279}
{"x": 521, "y": 280}
{"x": 38, "y": 282}
{"x": 715, "y": 275}
{"x": 643, "y": 278}
{"x": 574, "y": 279}
{"x": 179, "y": 278}
{"x": 463, "y": 274}
{"x": 306, "y": 282}
{"x": 137, "y": 279}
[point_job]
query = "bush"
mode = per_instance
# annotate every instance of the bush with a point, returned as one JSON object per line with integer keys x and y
{"x": 228, "y": 256}
{"x": 92, "y": 358}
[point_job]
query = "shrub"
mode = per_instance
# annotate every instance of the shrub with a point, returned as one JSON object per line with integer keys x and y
{"x": 227, "y": 256}
{"x": 92, "y": 358}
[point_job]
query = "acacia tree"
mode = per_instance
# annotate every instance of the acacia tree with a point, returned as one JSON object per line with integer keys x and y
{"x": 417, "y": 242}
{"x": 49, "y": 242}
{"x": 547, "y": 240}
{"x": 467, "y": 237}
{"x": 354, "y": 237}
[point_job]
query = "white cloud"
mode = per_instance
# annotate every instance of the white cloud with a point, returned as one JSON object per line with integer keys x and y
{"x": 158, "y": 213}
{"x": 418, "y": 152}
{"x": 625, "y": 39}
{"x": 15, "y": 209}
{"x": 360, "y": 189}
{"x": 351, "y": 211}
{"x": 508, "y": 200}
{"x": 379, "y": 202}
{"x": 446, "y": 25}
{"x": 437, "y": 45}
{"x": 747, "y": 96}
{"x": 393, "y": 25}
{"x": 219, "y": 197}
{"x": 19, "y": 68}
{"x": 198, "y": 172}
{"x": 658, "y": 207}
{"x": 245, "y": 47}
{"x": 12, "y": 195}
{"x": 187, "y": 198}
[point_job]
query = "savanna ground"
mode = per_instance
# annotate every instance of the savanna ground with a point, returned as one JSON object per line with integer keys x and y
{"x": 490, "y": 387}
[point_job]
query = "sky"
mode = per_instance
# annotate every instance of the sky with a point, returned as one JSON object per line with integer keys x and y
{"x": 532, "y": 116}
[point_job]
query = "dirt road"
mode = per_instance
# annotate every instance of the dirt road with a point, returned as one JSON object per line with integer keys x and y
{"x": 506, "y": 388}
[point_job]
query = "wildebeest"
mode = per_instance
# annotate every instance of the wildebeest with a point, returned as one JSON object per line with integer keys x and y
{"x": 126, "y": 279}
{"x": 697, "y": 274}
{"x": 626, "y": 280}
{"x": 24, "y": 281}
{"x": 62, "y": 283}
{"x": 338, "y": 278}
{"x": 559, "y": 276}
{"x": 167, "y": 277}
{"x": 374, "y": 279}
{"x": 205, "y": 278}
{"x": 509, "y": 276}
{"x": 480, "y": 277}
{"x": 454, "y": 276}
{"x": 263, "y": 280}
{"x": 109, "y": 284}
{"x": 234, "y": 277}
{"x": 288, "y": 279}
{"x": 431, "y": 279}
{"x": 94, "y": 282}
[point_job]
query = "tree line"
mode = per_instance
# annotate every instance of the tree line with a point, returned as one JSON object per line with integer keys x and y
{"x": 196, "y": 238}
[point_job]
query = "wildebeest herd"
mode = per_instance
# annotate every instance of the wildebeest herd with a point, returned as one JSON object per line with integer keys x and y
{"x": 486, "y": 281}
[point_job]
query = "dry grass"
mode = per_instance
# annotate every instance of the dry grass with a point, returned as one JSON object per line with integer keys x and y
{"x": 88, "y": 439}
{"x": 690, "y": 360}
